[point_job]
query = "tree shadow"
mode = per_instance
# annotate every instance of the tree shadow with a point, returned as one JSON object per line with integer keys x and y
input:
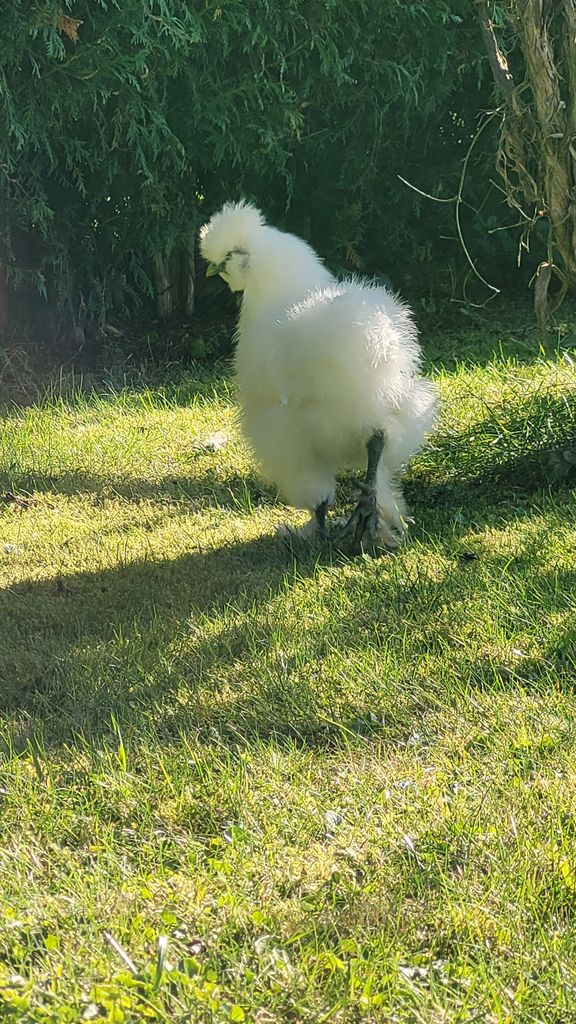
{"x": 176, "y": 635}
{"x": 204, "y": 486}
{"x": 178, "y": 638}
{"x": 116, "y": 626}
{"x": 137, "y": 387}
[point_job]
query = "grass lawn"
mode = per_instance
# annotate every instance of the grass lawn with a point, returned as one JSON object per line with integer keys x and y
{"x": 244, "y": 781}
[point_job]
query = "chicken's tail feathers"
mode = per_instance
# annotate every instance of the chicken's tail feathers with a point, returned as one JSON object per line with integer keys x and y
{"x": 425, "y": 398}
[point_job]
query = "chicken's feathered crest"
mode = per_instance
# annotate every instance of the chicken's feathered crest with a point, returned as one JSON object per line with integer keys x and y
{"x": 232, "y": 227}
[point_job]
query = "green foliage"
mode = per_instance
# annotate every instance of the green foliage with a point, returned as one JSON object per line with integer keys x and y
{"x": 124, "y": 125}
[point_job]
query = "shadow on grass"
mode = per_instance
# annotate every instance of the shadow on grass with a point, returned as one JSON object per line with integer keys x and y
{"x": 203, "y": 487}
{"x": 197, "y": 646}
{"x": 174, "y": 641}
{"x": 75, "y": 651}
{"x": 149, "y": 387}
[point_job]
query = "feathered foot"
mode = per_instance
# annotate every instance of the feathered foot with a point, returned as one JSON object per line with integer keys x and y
{"x": 366, "y": 524}
{"x": 369, "y": 521}
{"x": 363, "y": 519}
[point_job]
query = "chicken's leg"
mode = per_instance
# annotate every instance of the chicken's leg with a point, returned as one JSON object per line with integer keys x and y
{"x": 378, "y": 515}
{"x": 320, "y": 515}
{"x": 364, "y": 518}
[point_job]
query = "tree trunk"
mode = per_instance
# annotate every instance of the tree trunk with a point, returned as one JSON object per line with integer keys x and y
{"x": 3, "y": 302}
{"x": 190, "y": 277}
{"x": 537, "y": 154}
{"x": 163, "y": 281}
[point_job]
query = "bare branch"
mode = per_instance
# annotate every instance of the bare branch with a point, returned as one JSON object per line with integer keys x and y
{"x": 426, "y": 195}
{"x": 500, "y": 70}
{"x": 459, "y": 201}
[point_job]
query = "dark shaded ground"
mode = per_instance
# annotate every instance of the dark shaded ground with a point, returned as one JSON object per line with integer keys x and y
{"x": 70, "y": 627}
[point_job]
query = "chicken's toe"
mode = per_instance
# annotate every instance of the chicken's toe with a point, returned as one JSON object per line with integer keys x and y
{"x": 368, "y": 525}
{"x": 305, "y": 532}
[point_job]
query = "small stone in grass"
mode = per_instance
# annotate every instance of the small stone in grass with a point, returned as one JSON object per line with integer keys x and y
{"x": 91, "y": 1012}
{"x": 212, "y": 443}
{"x": 333, "y": 819}
{"x": 413, "y": 973}
{"x": 196, "y": 948}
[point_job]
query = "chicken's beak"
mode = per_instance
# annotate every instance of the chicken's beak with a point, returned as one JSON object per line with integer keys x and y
{"x": 212, "y": 270}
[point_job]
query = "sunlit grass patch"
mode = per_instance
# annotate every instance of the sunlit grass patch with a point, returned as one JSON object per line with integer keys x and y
{"x": 243, "y": 780}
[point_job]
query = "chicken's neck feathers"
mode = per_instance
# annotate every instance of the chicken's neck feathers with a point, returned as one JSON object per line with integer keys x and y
{"x": 271, "y": 296}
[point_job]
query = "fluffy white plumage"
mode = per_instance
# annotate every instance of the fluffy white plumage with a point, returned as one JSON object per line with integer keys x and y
{"x": 322, "y": 367}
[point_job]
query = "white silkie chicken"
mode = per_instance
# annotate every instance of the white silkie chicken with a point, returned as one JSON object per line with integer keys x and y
{"x": 327, "y": 374}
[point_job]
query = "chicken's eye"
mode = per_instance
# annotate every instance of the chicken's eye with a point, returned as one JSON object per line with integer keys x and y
{"x": 227, "y": 257}
{"x": 221, "y": 267}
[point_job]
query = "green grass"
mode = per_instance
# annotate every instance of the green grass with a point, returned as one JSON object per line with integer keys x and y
{"x": 247, "y": 781}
